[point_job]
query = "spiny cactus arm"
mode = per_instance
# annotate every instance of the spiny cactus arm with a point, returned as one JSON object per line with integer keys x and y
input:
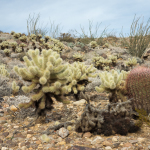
{"x": 37, "y": 96}
{"x": 80, "y": 87}
{"x": 28, "y": 89}
{"x": 15, "y": 87}
{"x": 42, "y": 102}
{"x": 25, "y": 74}
{"x": 26, "y": 105}
{"x": 27, "y": 61}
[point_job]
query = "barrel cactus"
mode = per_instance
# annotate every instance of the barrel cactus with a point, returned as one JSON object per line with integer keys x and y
{"x": 137, "y": 86}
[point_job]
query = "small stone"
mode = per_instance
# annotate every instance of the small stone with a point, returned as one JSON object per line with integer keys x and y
{"x": 63, "y": 132}
{"x": 33, "y": 138}
{"x": 115, "y": 145}
{"x": 127, "y": 145}
{"x": 2, "y": 120}
{"x": 106, "y": 143}
{"x": 87, "y": 135}
{"x": 23, "y": 148}
{"x": 80, "y": 102}
{"x": 97, "y": 140}
{"x": 15, "y": 127}
{"x": 140, "y": 140}
{"x": 38, "y": 142}
{"x": 133, "y": 141}
{"x": 29, "y": 135}
{"x": 108, "y": 148}
{"x": 148, "y": 146}
{"x": 114, "y": 139}
{"x": 13, "y": 108}
{"x": 61, "y": 143}
{"x": 5, "y": 134}
{"x": 4, "y": 148}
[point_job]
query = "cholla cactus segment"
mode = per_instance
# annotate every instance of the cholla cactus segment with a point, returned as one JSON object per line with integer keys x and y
{"x": 111, "y": 82}
{"x": 138, "y": 85}
{"x": 80, "y": 73}
{"x": 3, "y": 70}
{"x": 112, "y": 58}
{"x": 15, "y": 88}
{"x": 12, "y": 33}
{"x": 7, "y": 52}
{"x": 18, "y": 50}
{"x": 4, "y": 45}
{"x": 23, "y": 38}
{"x": 100, "y": 62}
{"x": 131, "y": 62}
{"x": 22, "y": 45}
{"x": 93, "y": 44}
{"x": 17, "y": 35}
{"x": 78, "y": 57}
{"x": 46, "y": 71}
{"x": 13, "y": 44}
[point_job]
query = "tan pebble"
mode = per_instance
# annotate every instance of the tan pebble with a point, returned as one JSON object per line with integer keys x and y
{"x": 33, "y": 138}
{"x": 61, "y": 143}
{"x": 38, "y": 142}
{"x": 106, "y": 143}
{"x": 140, "y": 140}
{"x": 13, "y": 108}
{"x": 29, "y": 135}
{"x": 23, "y": 148}
{"x": 127, "y": 145}
{"x": 87, "y": 134}
{"x": 15, "y": 127}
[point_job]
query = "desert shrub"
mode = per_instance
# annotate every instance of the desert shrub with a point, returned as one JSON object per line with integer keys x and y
{"x": 139, "y": 38}
{"x": 66, "y": 37}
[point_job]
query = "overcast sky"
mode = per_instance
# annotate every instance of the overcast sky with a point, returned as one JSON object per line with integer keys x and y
{"x": 71, "y": 14}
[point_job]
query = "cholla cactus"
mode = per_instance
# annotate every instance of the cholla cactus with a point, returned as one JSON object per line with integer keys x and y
{"x": 78, "y": 57}
{"x": 15, "y": 88}
{"x": 100, "y": 62}
{"x": 113, "y": 59}
{"x": 18, "y": 50}
{"x": 13, "y": 45}
{"x": 57, "y": 49}
{"x": 131, "y": 62}
{"x": 3, "y": 71}
{"x": 32, "y": 37}
{"x": 7, "y": 52}
{"x": 23, "y": 38}
{"x": 106, "y": 45}
{"x": 46, "y": 39}
{"x": 4, "y": 45}
{"x": 79, "y": 77}
{"x": 113, "y": 83}
{"x": 22, "y": 45}
{"x": 12, "y": 33}
{"x": 17, "y": 35}
{"x": 47, "y": 72}
{"x": 93, "y": 44}
{"x": 60, "y": 45}
{"x": 38, "y": 37}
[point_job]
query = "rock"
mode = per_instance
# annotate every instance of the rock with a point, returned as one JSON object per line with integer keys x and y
{"x": 97, "y": 140}
{"x": 114, "y": 139}
{"x": 106, "y": 143}
{"x": 140, "y": 140}
{"x": 80, "y": 102}
{"x": 63, "y": 132}
{"x": 13, "y": 108}
{"x": 87, "y": 134}
{"x": 81, "y": 148}
{"x": 108, "y": 148}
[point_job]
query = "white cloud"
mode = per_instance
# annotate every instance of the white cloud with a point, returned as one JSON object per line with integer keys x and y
{"x": 72, "y": 14}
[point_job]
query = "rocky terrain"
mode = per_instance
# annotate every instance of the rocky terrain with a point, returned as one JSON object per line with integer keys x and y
{"x": 13, "y": 136}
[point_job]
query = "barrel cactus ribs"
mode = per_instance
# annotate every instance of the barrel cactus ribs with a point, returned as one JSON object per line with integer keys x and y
{"x": 138, "y": 88}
